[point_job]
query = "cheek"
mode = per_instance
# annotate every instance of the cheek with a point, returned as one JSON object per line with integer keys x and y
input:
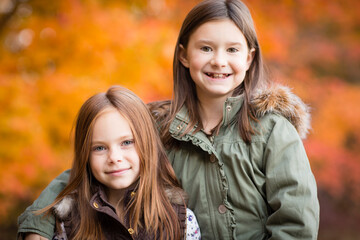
{"x": 95, "y": 166}
{"x": 135, "y": 161}
{"x": 197, "y": 62}
{"x": 196, "y": 70}
{"x": 240, "y": 65}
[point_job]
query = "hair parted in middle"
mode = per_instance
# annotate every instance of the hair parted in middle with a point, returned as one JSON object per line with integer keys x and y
{"x": 151, "y": 208}
{"x": 184, "y": 87}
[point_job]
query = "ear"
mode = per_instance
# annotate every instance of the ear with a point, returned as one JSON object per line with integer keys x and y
{"x": 183, "y": 56}
{"x": 250, "y": 58}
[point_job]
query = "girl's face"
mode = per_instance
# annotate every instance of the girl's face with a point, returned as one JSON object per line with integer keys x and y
{"x": 217, "y": 57}
{"x": 114, "y": 160}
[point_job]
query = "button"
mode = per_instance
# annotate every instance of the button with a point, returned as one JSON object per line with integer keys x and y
{"x": 222, "y": 209}
{"x": 95, "y": 205}
{"x": 179, "y": 127}
{"x": 212, "y": 158}
{"x": 131, "y": 231}
{"x": 228, "y": 108}
{"x": 132, "y": 194}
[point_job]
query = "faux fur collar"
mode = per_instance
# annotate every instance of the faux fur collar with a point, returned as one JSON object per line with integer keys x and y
{"x": 280, "y": 100}
{"x": 63, "y": 208}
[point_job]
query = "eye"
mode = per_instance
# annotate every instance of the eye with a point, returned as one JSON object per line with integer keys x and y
{"x": 98, "y": 148}
{"x": 127, "y": 142}
{"x": 206, "y": 49}
{"x": 232, "y": 50}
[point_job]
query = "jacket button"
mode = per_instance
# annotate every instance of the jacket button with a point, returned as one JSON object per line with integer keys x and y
{"x": 228, "y": 108}
{"x": 131, "y": 231}
{"x": 95, "y": 205}
{"x": 222, "y": 209}
{"x": 212, "y": 158}
{"x": 132, "y": 194}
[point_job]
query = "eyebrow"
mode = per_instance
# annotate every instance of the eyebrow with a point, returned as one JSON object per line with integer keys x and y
{"x": 211, "y": 42}
{"x": 124, "y": 137}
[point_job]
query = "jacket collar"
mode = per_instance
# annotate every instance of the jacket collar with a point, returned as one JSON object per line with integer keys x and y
{"x": 177, "y": 127}
{"x": 277, "y": 99}
{"x": 99, "y": 199}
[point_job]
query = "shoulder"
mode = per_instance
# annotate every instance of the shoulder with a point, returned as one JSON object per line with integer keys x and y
{"x": 276, "y": 102}
{"x": 275, "y": 124}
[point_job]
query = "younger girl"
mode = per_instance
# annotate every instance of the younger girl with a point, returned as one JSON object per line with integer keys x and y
{"x": 121, "y": 185}
{"x": 233, "y": 141}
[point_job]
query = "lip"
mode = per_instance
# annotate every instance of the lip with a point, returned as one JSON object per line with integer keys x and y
{"x": 118, "y": 172}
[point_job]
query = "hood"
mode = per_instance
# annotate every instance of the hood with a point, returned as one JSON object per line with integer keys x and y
{"x": 279, "y": 99}
{"x": 275, "y": 98}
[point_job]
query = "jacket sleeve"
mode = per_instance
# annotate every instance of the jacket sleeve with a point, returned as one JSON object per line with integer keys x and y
{"x": 44, "y": 226}
{"x": 290, "y": 186}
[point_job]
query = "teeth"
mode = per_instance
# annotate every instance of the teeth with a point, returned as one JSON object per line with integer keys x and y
{"x": 218, "y": 75}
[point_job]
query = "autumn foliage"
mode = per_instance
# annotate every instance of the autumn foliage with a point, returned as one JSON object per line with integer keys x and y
{"x": 55, "y": 54}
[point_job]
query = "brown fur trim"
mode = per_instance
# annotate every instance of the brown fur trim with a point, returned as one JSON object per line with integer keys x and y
{"x": 177, "y": 196}
{"x": 280, "y": 100}
{"x": 159, "y": 110}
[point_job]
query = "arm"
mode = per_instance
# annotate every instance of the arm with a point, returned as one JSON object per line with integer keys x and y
{"x": 192, "y": 226}
{"x": 290, "y": 186}
{"x": 28, "y": 222}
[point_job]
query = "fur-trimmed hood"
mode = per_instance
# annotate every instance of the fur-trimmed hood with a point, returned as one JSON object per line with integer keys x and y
{"x": 272, "y": 99}
{"x": 280, "y": 100}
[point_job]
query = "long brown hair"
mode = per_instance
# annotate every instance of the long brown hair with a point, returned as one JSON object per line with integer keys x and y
{"x": 184, "y": 87}
{"x": 151, "y": 210}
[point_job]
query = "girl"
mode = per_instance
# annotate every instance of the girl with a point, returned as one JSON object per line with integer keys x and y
{"x": 232, "y": 139}
{"x": 243, "y": 164}
{"x": 121, "y": 185}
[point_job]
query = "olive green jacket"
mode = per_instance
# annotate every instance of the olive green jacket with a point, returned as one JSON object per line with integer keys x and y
{"x": 261, "y": 190}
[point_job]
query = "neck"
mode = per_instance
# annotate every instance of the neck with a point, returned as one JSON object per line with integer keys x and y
{"x": 211, "y": 112}
{"x": 115, "y": 197}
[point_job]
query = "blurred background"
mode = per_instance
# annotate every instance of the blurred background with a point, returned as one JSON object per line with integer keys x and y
{"x": 56, "y": 54}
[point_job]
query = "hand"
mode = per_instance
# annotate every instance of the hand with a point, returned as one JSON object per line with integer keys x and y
{"x": 34, "y": 236}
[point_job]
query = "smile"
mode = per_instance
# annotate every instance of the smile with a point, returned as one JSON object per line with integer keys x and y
{"x": 218, "y": 75}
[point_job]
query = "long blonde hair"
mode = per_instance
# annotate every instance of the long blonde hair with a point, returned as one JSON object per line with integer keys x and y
{"x": 151, "y": 209}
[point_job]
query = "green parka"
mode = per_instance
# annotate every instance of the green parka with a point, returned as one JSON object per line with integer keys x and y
{"x": 261, "y": 190}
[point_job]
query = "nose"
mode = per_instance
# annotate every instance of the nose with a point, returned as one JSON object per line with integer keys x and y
{"x": 115, "y": 155}
{"x": 219, "y": 60}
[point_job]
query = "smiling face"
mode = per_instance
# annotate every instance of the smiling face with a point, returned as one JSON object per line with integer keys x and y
{"x": 114, "y": 160}
{"x": 217, "y": 57}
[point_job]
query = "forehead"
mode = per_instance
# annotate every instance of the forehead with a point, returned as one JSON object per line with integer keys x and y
{"x": 223, "y": 29}
{"x": 109, "y": 122}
